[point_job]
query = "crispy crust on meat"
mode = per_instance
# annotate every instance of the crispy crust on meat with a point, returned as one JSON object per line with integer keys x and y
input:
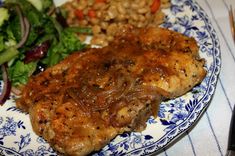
{"x": 82, "y": 103}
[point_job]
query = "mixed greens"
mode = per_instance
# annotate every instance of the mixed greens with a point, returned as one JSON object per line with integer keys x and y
{"x": 31, "y": 39}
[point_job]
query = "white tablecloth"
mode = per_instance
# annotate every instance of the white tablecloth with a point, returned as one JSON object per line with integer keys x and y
{"x": 210, "y": 135}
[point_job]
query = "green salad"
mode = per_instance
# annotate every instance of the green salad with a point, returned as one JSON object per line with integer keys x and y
{"x": 32, "y": 39}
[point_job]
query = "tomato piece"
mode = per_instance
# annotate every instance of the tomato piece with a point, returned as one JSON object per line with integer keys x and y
{"x": 155, "y": 6}
{"x": 91, "y": 13}
{"x": 79, "y": 14}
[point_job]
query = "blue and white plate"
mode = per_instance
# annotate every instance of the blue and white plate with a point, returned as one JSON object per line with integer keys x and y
{"x": 175, "y": 117}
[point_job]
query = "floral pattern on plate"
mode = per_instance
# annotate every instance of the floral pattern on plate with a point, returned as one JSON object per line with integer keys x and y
{"x": 175, "y": 117}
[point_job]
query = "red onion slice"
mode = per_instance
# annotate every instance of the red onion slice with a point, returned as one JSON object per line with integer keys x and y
{"x": 22, "y": 25}
{"x": 7, "y": 85}
{"x": 26, "y": 33}
{"x": 51, "y": 10}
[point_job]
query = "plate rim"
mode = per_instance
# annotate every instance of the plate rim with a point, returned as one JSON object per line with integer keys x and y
{"x": 205, "y": 100}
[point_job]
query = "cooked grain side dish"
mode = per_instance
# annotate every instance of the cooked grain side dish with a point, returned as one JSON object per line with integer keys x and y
{"x": 105, "y": 17}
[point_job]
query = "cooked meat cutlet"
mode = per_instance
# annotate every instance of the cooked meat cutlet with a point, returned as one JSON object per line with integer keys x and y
{"x": 82, "y": 103}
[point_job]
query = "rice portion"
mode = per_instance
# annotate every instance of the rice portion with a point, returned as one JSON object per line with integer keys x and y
{"x": 106, "y": 17}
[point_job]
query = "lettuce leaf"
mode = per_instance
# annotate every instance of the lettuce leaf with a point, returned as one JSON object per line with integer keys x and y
{"x": 63, "y": 41}
{"x": 69, "y": 42}
{"x": 20, "y": 72}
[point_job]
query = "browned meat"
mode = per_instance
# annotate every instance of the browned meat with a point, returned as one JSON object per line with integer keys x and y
{"x": 82, "y": 103}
